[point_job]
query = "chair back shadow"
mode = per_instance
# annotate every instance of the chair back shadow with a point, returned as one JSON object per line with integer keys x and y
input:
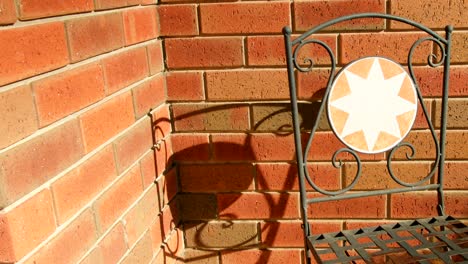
{"x": 438, "y": 237}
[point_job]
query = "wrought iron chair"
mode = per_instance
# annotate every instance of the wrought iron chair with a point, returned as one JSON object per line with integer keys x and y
{"x": 371, "y": 104}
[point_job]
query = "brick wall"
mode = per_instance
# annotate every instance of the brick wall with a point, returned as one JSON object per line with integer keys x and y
{"x": 227, "y": 86}
{"x": 77, "y": 167}
{"x": 80, "y": 180}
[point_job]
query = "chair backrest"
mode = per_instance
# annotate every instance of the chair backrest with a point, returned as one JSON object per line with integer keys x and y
{"x": 389, "y": 96}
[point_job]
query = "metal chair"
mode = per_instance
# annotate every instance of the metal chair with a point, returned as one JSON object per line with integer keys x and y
{"x": 371, "y": 104}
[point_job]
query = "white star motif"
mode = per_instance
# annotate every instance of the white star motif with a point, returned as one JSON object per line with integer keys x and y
{"x": 373, "y": 104}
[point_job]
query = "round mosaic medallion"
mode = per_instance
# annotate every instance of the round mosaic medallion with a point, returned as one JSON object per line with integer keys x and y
{"x": 372, "y": 104}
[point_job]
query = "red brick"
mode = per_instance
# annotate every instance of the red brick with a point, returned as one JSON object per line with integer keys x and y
{"x": 168, "y": 220}
{"x": 31, "y": 50}
{"x": 455, "y": 176}
{"x": 366, "y": 207}
{"x": 141, "y": 253}
{"x": 139, "y": 218}
{"x": 178, "y": 20}
{"x": 113, "y": 246}
{"x": 376, "y": 176}
{"x": 253, "y": 147}
{"x": 204, "y": 52}
{"x": 283, "y": 176}
{"x": 133, "y": 144}
{"x": 209, "y": 117}
{"x": 262, "y": 256}
{"x": 125, "y": 68}
{"x": 190, "y": 147}
{"x": 167, "y": 187}
{"x": 148, "y": 169}
{"x": 269, "y": 50}
{"x": 71, "y": 243}
{"x": 430, "y": 80}
{"x": 94, "y": 35}
{"x": 258, "y": 205}
{"x": 7, "y": 12}
{"x": 434, "y": 14}
{"x": 456, "y": 145}
{"x": 155, "y": 55}
{"x": 216, "y": 177}
{"x": 79, "y": 186}
{"x": 308, "y": 14}
{"x": 184, "y": 86}
{"x": 161, "y": 122}
{"x": 156, "y": 234}
{"x": 457, "y": 113}
{"x": 140, "y": 24}
{"x": 149, "y": 95}
{"x": 266, "y": 17}
{"x": 118, "y": 198}
{"x": 19, "y": 235}
{"x": 63, "y": 94}
{"x": 18, "y": 118}
{"x": 164, "y": 156}
{"x": 106, "y": 120}
{"x": 393, "y": 45}
{"x": 108, "y": 4}
{"x": 29, "y": 165}
{"x": 247, "y": 85}
{"x": 312, "y": 85}
{"x": 29, "y": 9}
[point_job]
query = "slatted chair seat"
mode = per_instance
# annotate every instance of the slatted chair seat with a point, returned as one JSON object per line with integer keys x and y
{"x": 371, "y": 104}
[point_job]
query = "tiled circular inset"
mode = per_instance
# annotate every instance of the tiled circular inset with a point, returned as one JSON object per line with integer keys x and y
{"x": 372, "y": 104}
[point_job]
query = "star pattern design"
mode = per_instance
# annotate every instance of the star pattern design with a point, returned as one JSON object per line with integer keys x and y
{"x": 373, "y": 106}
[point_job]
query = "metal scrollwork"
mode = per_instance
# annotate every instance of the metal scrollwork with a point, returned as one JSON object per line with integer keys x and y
{"x": 309, "y": 61}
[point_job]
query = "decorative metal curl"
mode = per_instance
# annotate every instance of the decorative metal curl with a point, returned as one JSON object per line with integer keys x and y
{"x": 309, "y": 61}
{"x": 338, "y": 164}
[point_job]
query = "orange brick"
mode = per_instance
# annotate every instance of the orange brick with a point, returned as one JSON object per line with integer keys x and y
{"x": 18, "y": 118}
{"x": 104, "y": 121}
{"x": 269, "y": 50}
{"x": 28, "y": 165}
{"x": 204, "y": 52}
{"x": 156, "y": 234}
{"x": 430, "y": 80}
{"x": 208, "y": 117}
{"x": 266, "y": 17}
{"x": 141, "y": 253}
{"x": 312, "y": 85}
{"x": 283, "y": 176}
{"x": 19, "y": 235}
{"x": 178, "y": 20}
{"x": 190, "y": 147}
{"x": 113, "y": 246}
{"x": 76, "y": 188}
{"x": 457, "y": 113}
{"x": 71, "y": 243}
{"x": 140, "y": 24}
{"x": 139, "y": 218}
{"x": 436, "y": 14}
{"x": 376, "y": 175}
{"x": 207, "y": 256}
{"x": 168, "y": 220}
{"x": 7, "y": 12}
{"x": 125, "y": 68}
{"x": 393, "y": 45}
{"x": 184, "y": 86}
{"x": 118, "y": 198}
{"x": 31, "y": 50}
{"x": 247, "y": 85}
{"x": 197, "y": 206}
{"x": 164, "y": 157}
{"x": 258, "y": 205}
{"x": 29, "y": 9}
{"x": 60, "y": 95}
{"x": 167, "y": 187}
{"x": 161, "y": 122}
{"x": 156, "y": 60}
{"x": 133, "y": 144}
{"x": 94, "y": 256}
{"x": 262, "y": 256}
{"x": 252, "y": 147}
{"x": 216, "y": 177}
{"x": 455, "y": 176}
{"x": 308, "y": 14}
{"x": 148, "y": 169}
{"x": 366, "y": 207}
{"x": 94, "y": 35}
{"x": 413, "y": 205}
{"x": 149, "y": 95}
{"x": 108, "y": 4}
{"x": 456, "y": 145}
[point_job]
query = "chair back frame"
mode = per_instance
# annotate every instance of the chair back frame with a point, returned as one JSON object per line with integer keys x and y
{"x": 304, "y": 145}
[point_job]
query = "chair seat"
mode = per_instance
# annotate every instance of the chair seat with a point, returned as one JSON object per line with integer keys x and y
{"x": 442, "y": 239}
